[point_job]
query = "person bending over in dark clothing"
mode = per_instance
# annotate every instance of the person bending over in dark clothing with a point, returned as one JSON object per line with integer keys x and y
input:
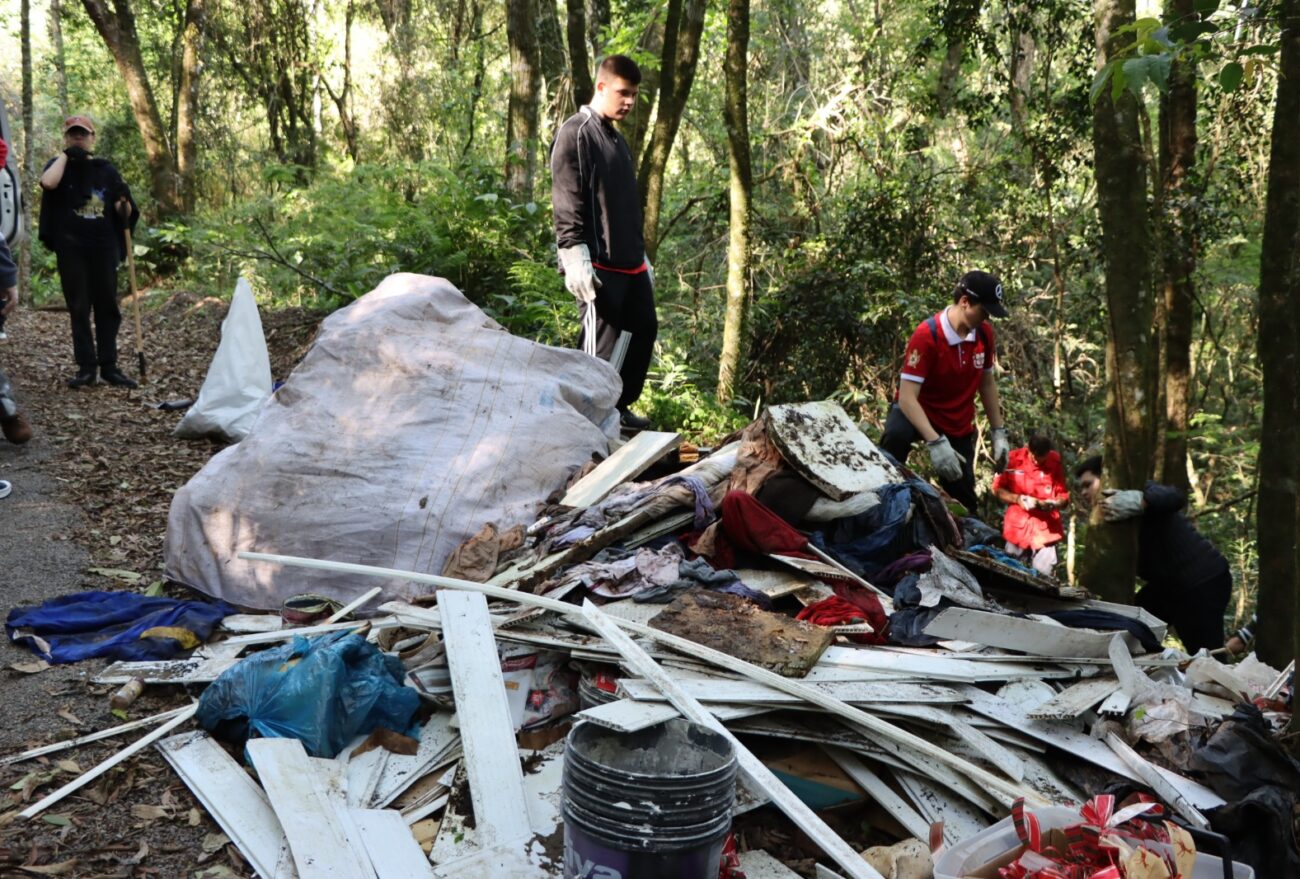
{"x": 83, "y": 203}
{"x": 1187, "y": 581}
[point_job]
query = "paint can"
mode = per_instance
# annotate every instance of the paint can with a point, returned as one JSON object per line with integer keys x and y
{"x": 648, "y": 804}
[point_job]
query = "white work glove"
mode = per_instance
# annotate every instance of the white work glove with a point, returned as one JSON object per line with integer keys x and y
{"x": 1027, "y": 503}
{"x": 579, "y": 276}
{"x": 1117, "y": 506}
{"x": 650, "y": 270}
{"x": 947, "y": 463}
{"x": 1001, "y": 449}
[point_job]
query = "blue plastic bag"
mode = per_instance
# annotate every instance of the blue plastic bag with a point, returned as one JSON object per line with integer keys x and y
{"x": 322, "y": 691}
{"x": 110, "y": 624}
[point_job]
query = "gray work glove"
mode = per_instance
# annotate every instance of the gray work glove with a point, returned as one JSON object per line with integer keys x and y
{"x": 947, "y": 463}
{"x": 1027, "y": 503}
{"x": 579, "y": 276}
{"x": 650, "y": 270}
{"x": 1001, "y": 448}
{"x": 1117, "y": 506}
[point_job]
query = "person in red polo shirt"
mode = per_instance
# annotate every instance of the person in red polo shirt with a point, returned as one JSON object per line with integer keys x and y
{"x": 949, "y": 360}
{"x": 1033, "y": 484}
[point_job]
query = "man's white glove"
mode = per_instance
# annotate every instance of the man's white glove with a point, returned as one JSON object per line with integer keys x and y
{"x": 1001, "y": 448}
{"x": 947, "y": 463}
{"x": 579, "y": 276}
{"x": 1117, "y": 506}
{"x": 1026, "y": 502}
{"x": 650, "y": 270}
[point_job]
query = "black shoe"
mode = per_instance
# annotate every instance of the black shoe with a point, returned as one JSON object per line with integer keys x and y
{"x": 115, "y": 376}
{"x": 631, "y": 421}
{"x": 85, "y": 376}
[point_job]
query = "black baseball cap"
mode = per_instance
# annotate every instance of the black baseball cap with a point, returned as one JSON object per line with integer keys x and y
{"x": 985, "y": 289}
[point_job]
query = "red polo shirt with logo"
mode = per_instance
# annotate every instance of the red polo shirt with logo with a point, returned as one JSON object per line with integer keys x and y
{"x": 949, "y": 368}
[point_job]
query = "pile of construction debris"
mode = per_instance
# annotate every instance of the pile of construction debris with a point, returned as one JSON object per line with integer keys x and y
{"x": 924, "y": 673}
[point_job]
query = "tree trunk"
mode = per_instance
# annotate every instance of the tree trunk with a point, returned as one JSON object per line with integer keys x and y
{"x": 25, "y": 172}
{"x": 55, "y": 22}
{"x": 636, "y": 128}
{"x": 553, "y": 61}
{"x": 680, "y": 56}
{"x": 117, "y": 28}
{"x": 1020, "y": 64}
{"x": 597, "y": 21}
{"x": 521, "y": 118}
{"x": 1277, "y": 520}
{"x": 736, "y": 115}
{"x": 1131, "y": 346}
{"x": 187, "y": 102}
{"x": 579, "y": 61}
{"x": 1180, "y": 196}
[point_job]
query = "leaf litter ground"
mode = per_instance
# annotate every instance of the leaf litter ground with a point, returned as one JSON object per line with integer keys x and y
{"x": 89, "y": 511}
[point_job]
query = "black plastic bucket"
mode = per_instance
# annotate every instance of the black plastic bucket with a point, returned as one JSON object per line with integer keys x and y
{"x": 653, "y": 804}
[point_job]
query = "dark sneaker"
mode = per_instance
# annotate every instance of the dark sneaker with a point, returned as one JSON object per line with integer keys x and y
{"x": 115, "y": 376}
{"x": 84, "y": 376}
{"x": 16, "y": 429}
{"x": 631, "y": 421}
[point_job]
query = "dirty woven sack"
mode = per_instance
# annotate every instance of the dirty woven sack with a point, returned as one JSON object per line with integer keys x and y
{"x": 322, "y": 691}
{"x": 115, "y": 625}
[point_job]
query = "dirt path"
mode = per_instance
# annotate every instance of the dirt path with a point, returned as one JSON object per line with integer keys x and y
{"x": 92, "y": 490}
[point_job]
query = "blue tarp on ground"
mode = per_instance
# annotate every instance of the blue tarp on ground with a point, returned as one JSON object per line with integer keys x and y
{"x": 322, "y": 691}
{"x": 109, "y": 624}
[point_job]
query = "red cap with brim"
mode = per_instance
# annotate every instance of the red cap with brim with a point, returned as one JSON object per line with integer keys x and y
{"x": 78, "y": 122}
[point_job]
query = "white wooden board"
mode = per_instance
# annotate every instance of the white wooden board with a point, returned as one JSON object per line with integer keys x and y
{"x": 393, "y": 851}
{"x": 318, "y": 838}
{"x": 487, "y": 731}
{"x": 232, "y": 798}
{"x": 934, "y": 667}
{"x": 820, "y": 442}
{"x": 758, "y": 864}
{"x": 437, "y": 741}
{"x": 629, "y": 715}
{"x": 204, "y": 666}
{"x": 629, "y": 461}
{"x": 1035, "y": 637}
{"x": 852, "y": 692}
{"x": 960, "y": 821}
{"x": 876, "y": 788}
{"x": 1076, "y": 699}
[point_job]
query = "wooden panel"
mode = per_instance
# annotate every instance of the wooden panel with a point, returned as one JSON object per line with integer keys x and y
{"x": 91, "y": 737}
{"x": 748, "y": 691}
{"x": 487, "y": 733}
{"x": 820, "y": 442}
{"x": 1034, "y": 637}
{"x": 631, "y": 459}
{"x": 437, "y": 741}
{"x": 232, "y": 798}
{"x": 1075, "y": 699}
{"x": 882, "y": 793}
{"x": 319, "y": 840}
{"x": 393, "y": 851}
{"x": 758, "y": 864}
{"x": 204, "y": 666}
{"x": 628, "y": 715}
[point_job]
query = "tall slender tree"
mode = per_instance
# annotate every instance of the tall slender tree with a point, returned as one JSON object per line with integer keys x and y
{"x": 681, "y": 54}
{"x": 525, "y": 102}
{"x": 575, "y": 33}
{"x": 1179, "y": 197}
{"x": 1110, "y": 562}
{"x": 116, "y": 25}
{"x": 736, "y": 115}
{"x": 54, "y": 21}
{"x": 1279, "y": 285}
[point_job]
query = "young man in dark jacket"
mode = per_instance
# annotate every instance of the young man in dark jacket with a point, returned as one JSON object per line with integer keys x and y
{"x": 1188, "y": 581}
{"x": 83, "y": 200}
{"x": 597, "y": 210}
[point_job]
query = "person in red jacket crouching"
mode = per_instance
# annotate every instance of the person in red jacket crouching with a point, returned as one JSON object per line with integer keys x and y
{"x": 1033, "y": 484}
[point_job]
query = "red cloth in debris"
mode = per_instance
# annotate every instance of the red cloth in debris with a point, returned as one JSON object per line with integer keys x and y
{"x": 749, "y": 526}
{"x": 755, "y": 528}
{"x": 847, "y": 606}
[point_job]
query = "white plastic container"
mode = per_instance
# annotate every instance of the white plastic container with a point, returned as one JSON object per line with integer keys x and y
{"x": 963, "y": 858}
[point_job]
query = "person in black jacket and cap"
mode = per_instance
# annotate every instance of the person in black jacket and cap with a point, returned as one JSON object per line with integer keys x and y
{"x": 598, "y": 236}
{"x": 1187, "y": 580}
{"x": 85, "y": 205}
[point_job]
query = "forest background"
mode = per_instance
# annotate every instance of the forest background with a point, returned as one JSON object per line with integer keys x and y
{"x": 816, "y": 177}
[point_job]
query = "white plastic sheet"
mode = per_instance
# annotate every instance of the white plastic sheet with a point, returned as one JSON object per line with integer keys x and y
{"x": 412, "y": 421}
{"x": 239, "y": 379}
